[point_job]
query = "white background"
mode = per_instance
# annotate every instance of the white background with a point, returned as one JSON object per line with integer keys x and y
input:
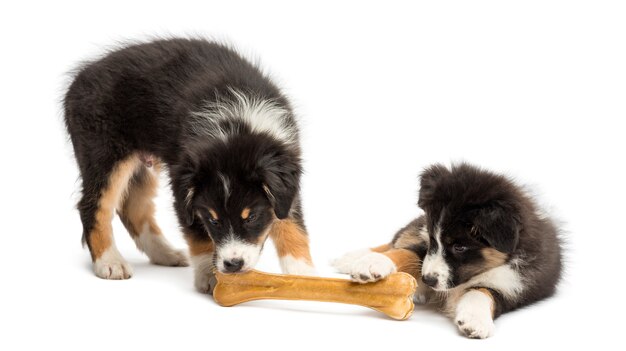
{"x": 534, "y": 89}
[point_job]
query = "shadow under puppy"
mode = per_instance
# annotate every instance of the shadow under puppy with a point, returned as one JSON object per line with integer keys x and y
{"x": 481, "y": 248}
{"x": 224, "y": 131}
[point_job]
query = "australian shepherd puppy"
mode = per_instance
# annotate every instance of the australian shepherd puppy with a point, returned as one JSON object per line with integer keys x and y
{"x": 481, "y": 248}
{"x": 225, "y": 133}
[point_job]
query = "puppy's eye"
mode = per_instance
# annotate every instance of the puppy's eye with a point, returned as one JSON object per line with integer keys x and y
{"x": 459, "y": 249}
{"x": 213, "y": 218}
{"x": 251, "y": 217}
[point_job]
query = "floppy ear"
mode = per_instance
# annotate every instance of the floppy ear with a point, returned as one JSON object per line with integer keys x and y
{"x": 429, "y": 181}
{"x": 280, "y": 175}
{"x": 499, "y": 226}
{"x": 184, "y": 191}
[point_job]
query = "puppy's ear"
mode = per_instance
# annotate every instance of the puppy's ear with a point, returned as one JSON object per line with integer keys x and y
{"x": 430, "y": 179}
{"x": 183, "y": 187}
{"x": 499, "y": 226}
{"x": 280, "y": 176}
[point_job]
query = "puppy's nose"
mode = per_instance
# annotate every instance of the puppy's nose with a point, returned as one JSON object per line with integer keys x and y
{"x": 430, "y": 280}
{"x": 233, "y": 265}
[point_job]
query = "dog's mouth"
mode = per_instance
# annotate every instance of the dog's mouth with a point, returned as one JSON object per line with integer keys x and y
{"x": 241, "y": 271}
{"x": 439, "y": 289}
{"x": 442, "y": 288}
{"x": 235, "y": 265}
{"x": 237, "y": 258}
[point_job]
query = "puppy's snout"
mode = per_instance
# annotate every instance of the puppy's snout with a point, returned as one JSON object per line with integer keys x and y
{"x": 233, "y": 265}
{"x": 430, "y": 280}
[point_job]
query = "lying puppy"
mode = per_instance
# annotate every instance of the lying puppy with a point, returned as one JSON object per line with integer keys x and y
{"x": 224, "y": 131}
{"x": 481, "y": 248}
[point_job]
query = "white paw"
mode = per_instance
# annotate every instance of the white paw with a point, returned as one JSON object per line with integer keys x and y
{"x": 205, "y": 283}
{"x": 159, "y": 249}
{"x": 473, "y": 315}
{"x": 371, "y": 267}
{"x": 204, "y": 278}
{"x": 344, "y": 263}
{"x": 419, "y": 299}
{"x": 475, "y": 326}
{"x": 111, "y": 265}
{"x": 295, "y": 266}
{"x": 423, "y": 294}
{"x": 173, "y": 258}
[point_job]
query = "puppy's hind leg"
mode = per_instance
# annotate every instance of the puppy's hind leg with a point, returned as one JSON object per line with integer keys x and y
{"x": 102, "y": 193}
{"x": 137, "y": 214}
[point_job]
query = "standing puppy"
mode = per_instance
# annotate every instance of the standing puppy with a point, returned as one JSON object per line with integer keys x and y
{"x": 481, "y": 248}
{"x": 228, "y": 137}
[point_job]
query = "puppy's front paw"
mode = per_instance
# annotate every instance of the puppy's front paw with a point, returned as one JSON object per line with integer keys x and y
{"x": 113, "y": 270}
{"x": 422, "y": 295}
{"x": 160, "y": 251}
{"x": 344, "y": 263}
{"x": 420, "y": 299}
{"x": 475, "y": 326}
{"x": 296, "y": 266}
{"x": 205, "y": 283}
{"x": 111, "y": 265}
{"x": 372, "y": 267}
{"x": 473, "y": 315}
{"x": 172, "y": 258}
{"x": 204, "y": 278}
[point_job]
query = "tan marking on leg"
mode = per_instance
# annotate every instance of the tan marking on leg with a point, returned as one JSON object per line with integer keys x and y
{"x": 138, "y": 208}
{"x": 100, "y": 238}
{"x": 200, "y": 247}
{"x": 493, "y": 257}
{"x": 381, "y": 248}
{"x": 405, "y": 261}
{"x": 493, "y": 301}
{"x": 213, "y": 214}
{"x": 245, "y": 213}
{"x": 263, "y": 236}
{"x": 290, "y": 239}
{"x": 137, "y": 214}
{"x": 449, "y": 302}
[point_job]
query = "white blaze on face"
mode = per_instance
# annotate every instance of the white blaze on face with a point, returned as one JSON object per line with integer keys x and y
{"x": 236, "y": 249}
{"x": 435, "y": 265}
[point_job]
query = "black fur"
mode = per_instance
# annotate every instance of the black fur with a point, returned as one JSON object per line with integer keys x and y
{"x": 476, "y": 210}
{"x": 142, "y": 99}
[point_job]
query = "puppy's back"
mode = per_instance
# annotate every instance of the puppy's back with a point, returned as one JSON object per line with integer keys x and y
{"x": 141, "y": 95}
